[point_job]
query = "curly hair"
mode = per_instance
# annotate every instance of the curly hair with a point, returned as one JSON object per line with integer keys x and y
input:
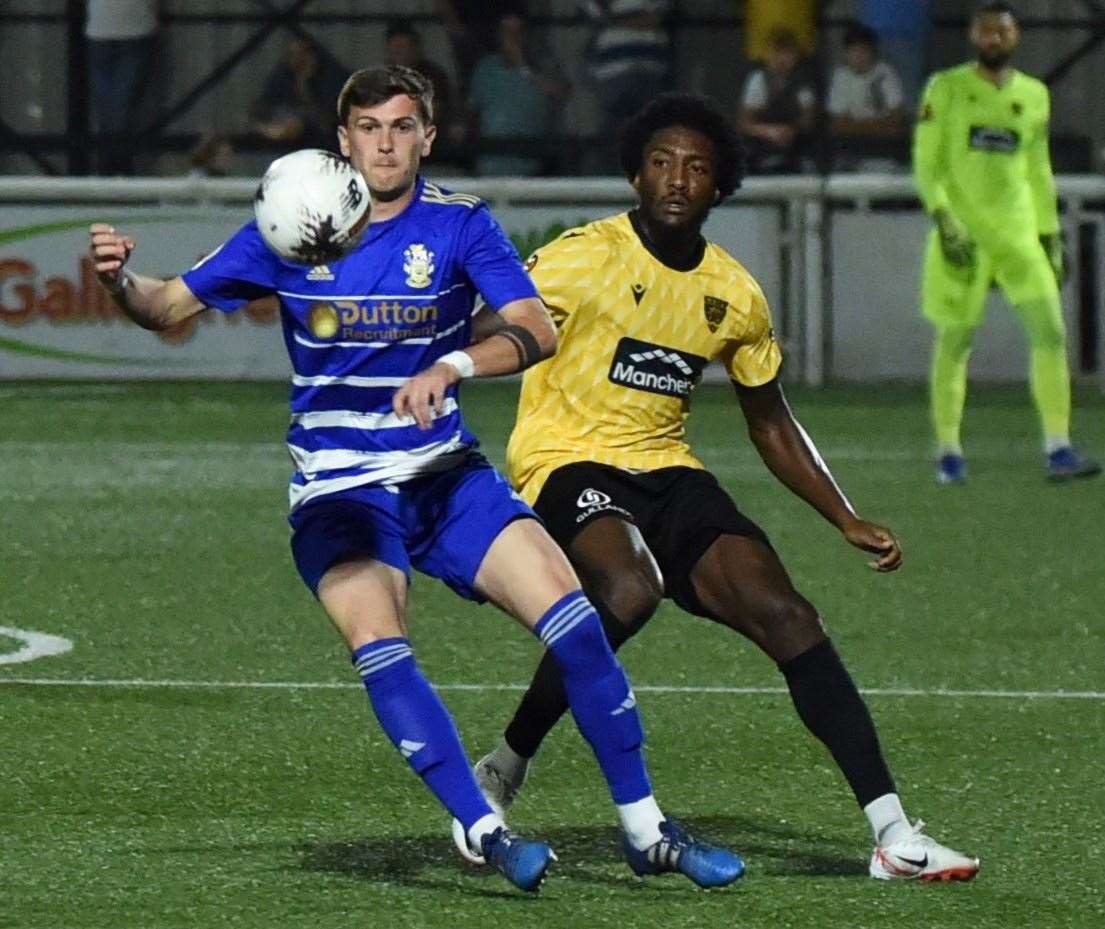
{"x": 692, "y": 112}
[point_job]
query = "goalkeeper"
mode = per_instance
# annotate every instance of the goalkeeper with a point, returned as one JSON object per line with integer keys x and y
{"x": 981, "y": 165}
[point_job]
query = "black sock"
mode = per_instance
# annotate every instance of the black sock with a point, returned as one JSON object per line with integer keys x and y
{"x": 833, "y": 710}
{"x": 545, "y": 701}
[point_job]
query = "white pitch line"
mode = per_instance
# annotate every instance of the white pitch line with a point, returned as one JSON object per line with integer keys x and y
{"x": 643, "y": 688}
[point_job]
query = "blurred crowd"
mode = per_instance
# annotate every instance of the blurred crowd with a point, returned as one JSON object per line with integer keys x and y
{"x": 501, "y": 101}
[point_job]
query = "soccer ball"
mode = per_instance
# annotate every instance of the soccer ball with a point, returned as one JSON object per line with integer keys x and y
{"x": 311, "y": 206}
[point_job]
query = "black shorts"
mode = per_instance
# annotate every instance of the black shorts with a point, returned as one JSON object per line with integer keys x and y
{"x": 678, "y": 511}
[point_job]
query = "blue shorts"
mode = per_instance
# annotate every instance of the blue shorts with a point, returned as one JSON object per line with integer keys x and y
{"x": 442, "y": 524}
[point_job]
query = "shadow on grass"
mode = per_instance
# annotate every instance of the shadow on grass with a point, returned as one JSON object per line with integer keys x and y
{"x": 587, "y": 853}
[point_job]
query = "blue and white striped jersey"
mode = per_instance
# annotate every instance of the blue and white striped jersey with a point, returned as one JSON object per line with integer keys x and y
{"x": 358, "y": 328}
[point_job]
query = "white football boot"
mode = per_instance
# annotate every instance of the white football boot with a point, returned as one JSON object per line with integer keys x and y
{"x": 500, "y": 793}
{"x": 916, "y": 856}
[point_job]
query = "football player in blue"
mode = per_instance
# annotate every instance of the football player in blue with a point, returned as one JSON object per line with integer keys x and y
{"x": 388, "y": 476}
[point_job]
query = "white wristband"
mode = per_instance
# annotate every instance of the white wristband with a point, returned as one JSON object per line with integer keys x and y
{"x": 461, "y": 361}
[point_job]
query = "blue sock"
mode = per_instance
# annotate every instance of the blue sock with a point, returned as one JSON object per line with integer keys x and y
{"x": 418, "y": 724}
{"x": 599, "y": 695}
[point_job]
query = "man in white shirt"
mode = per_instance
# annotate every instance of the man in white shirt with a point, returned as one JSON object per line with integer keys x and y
{"x": 866, "y": 105}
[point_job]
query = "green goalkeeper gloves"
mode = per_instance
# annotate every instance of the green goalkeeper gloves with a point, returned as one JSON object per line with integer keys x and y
{"x": 1054, "y": 245}
{"x": 958, "y": 248}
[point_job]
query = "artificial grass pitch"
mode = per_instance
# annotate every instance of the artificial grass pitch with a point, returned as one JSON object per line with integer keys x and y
{"x": 204, "y": 755}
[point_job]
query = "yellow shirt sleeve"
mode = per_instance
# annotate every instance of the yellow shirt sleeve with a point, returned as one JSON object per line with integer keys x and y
{"x": 1039, "y": 172}
{"x": 565, "y": 270}
{"x": 929, "y": 145}
{"x": 752, "y": 357}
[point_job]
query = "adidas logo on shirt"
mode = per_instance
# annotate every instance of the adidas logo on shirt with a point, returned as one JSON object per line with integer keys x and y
{"x": 320, "y": 273}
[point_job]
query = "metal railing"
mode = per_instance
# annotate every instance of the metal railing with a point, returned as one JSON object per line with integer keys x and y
{"x": 805, "y": 207}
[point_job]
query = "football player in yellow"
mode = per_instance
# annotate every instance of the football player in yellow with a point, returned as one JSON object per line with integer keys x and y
{"x": 980, "y": 160}
{"x": 642, "y": 302}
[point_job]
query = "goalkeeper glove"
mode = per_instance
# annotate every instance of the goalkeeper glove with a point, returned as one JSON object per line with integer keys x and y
{"x": 958, "y": 248}
{"x": 1053, "y": 243}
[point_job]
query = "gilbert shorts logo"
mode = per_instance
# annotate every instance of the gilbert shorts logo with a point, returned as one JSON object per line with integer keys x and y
{"x": 656, "y": 369}
{"x": 592, "y": 497}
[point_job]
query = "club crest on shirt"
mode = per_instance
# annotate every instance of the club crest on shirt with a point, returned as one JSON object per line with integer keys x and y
{"x": 418, "y": 264}
{"x": 715, "y": 309}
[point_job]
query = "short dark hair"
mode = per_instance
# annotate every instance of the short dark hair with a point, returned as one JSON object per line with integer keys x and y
{"x": 402, "y": 26}
{"x": 856, "y": 33}
{"x": 693, "y": 112}
{"x": 373, "y": 86}
{"x": 994, "y": 6}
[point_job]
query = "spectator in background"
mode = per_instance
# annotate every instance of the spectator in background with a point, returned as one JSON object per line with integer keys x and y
{"x": 472, "y": 26}
{"x": 122, "y": 42}
{"x": 296, "y": 105}
{"x": 628, "y": 60}
{"x": 778, "y": 108}
{"x": 513, "y": 99}
{"x": 904, "y": 28}
{"x": 866, "y": 106}
{"x": 763, "y": 18}
{"x": 403, "y": 46}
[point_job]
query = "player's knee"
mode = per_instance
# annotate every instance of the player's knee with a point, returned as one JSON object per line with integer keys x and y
{"x": 787, "y": 623}
{"x": 957, "y": 339}
{"x": 631, "y": 597}
{"x": 1049, "y": 336}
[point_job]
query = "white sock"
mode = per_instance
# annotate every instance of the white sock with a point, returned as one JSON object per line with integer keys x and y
{"x": 641, "y": 822}
{"x": 509, "y": 763}
{"x": 1053, "y": 443}
{"x": 485, "y": 825}
{"x": 887, "y": 818}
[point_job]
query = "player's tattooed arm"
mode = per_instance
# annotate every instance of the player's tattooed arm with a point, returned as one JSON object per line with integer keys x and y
{"x": 150, "y": 302}
{"x": 791, "y": 456}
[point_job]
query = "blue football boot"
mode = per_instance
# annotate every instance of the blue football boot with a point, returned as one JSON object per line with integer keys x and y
{"x": 523, "y": 862}
{"x": 951, "y": 469}
{"x": 706, "y": 865}
{"x": 1065, "y": 464}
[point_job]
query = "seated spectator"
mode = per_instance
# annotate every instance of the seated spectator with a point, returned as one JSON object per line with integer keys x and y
{"x": 512, "y": 101}
{"x": 296, "y": 105}
{"x": 866, "y": 104}
{"x": 403, "y": 46}
{"x": 778, "y": 109}
{"x": 904, "y": 28}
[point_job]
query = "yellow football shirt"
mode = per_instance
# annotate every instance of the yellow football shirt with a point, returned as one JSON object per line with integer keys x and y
{"x": 635, "y": 336}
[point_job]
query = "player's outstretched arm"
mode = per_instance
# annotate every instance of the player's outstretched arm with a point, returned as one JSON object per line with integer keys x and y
{"x": 150, "y": 302}
{"x": 790, "y": 455}
{"x": 522, "y": 335}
